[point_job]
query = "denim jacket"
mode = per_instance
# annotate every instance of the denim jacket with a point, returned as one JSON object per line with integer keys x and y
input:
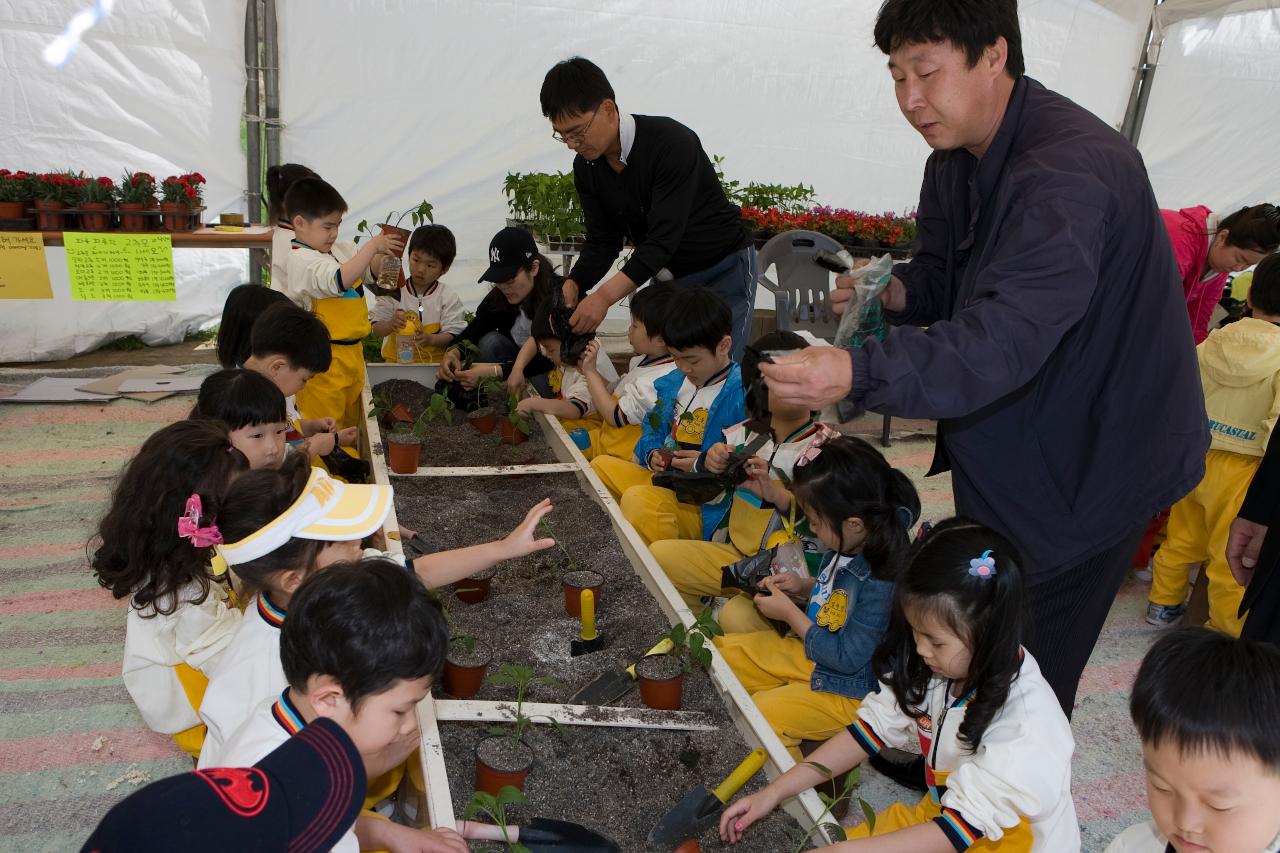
{"x": 848, "y": 628}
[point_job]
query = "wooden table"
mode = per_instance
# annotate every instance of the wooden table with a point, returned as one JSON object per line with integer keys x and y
{"x": 203, "y": 238}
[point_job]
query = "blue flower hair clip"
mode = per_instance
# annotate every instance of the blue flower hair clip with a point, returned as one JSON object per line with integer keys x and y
{"x": 983, "y": 567}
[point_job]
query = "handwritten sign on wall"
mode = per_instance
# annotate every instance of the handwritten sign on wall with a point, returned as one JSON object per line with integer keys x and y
{"x": 120, "y": 267}
{"x": 23, "y": 271}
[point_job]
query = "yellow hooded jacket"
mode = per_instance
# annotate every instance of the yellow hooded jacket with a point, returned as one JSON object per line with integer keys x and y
{"x": 1240, "y": 372}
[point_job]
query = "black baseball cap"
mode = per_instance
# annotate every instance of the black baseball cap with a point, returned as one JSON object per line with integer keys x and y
{"x": 509, "y": 250}
{"x": 304, "y": 796}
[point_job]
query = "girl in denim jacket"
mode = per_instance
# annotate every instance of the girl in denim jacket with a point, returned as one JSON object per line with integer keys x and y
{"x": 810, "y": 682}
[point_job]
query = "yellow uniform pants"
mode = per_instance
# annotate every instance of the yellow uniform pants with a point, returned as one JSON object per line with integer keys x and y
{"x": 692, "y": 566}
{"x": 193, "y": 683}
{"x": 656, "y": 515}
{"x": 1198, "y": 528}
{"x": 775, "y": 671}
{"x": 618, "y": 475}
{"x": 591, "y": 423}
{"x": 740, "y": 616}
{"x": 336, "y": 392}
{"x": 617, "y": 441}
{"x": 899, "y": 816}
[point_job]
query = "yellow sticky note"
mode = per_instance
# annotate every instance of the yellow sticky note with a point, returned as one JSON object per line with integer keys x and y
{"x": 120, "y": 267}
{"x": 23, "y": 271}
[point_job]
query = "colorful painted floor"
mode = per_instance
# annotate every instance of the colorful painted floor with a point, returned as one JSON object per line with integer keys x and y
{"x": 72, "y": 743}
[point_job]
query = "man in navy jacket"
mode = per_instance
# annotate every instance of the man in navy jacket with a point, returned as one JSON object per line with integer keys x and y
{"x": 1041, "y": 322}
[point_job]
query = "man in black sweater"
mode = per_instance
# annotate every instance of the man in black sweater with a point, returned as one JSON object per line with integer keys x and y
{"x": 646, "y": 180}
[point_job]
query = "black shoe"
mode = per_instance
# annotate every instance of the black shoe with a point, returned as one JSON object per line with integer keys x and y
{"x": 905, "y": 768}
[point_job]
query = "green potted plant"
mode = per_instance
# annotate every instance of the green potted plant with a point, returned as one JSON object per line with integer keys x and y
{"x": 15, "y": 194}
{"x": 55, "y": 191}
{"x": 573, "y": 578}
{"x": 504, "y": 758}
{"x": 489, "y": 392}
{"x": 495, "y": 808}
{"x": 420, "y": 213}
{"x": 135, "y": 193}
{"x": 388, "y": 412}
{"x": 404, "y": 446}
{"x": 180, "y": 201}
{"x": 439, "y": 406}
{"x": 661, "y": 677}
{"x": 547, "y": 205}
{"x": 516, "y": 425}
{"x": 836, "y": 795}
{"x": 95, "y": 204}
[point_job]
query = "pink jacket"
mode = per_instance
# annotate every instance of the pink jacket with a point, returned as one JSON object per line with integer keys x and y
{"x": 1189, "y": 232}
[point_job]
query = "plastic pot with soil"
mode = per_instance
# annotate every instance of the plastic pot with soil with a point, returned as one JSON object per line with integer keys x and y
{"x": 475, "y": 589}
{"x": 501, "y": 761}
{"x": 464, "y": 666}
{"x": 485, "y": 420}
{"x": 573, "y": 583}
{"x": 661, "y": 679}
{"x": 404, "y": 452}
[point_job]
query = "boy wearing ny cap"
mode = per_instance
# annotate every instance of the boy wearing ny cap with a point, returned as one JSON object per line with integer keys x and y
{"x": 521, "y": 278}
{"x": 361, "y": 646}
{"x": 302, "y": 797}
{"x": 281, "y": 526}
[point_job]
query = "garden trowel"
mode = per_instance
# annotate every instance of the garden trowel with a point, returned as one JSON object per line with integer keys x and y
{"x": 614, "y": 685}
{"x": 547, "y": 835}
{"x": 701, "y": 808}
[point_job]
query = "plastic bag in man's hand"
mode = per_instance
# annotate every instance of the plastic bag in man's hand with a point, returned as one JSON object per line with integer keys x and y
{"x": 862, "y": 317}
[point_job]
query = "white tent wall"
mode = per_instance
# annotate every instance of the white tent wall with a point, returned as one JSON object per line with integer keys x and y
{"x": 1210, "y": 129}
{"x": 439, "y": 100}
{"x": 158, "y": 86}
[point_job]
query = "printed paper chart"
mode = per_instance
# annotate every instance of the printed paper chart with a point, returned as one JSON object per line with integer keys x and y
{"x": 120, "y": 267}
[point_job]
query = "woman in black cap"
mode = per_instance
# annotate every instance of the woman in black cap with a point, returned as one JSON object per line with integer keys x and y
{"x": 521, "y": 278}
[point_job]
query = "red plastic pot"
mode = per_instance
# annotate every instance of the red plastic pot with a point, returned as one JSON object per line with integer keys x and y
{"x": 131, "y": 216}
{"x": 484, "y": 421}
{"x": 49, "y": 215}
{"x": 511, "y": 434}
{"x": 95, "y": 216}
{"x": 397, "y": 414}
{"x": 176, "y": 216}
{"x": 573, "y": 584}
{"x": 404, "y": 456}
{"x": 404, "y": 235}
{"x": 663, "y": 694}
{"x": 12, "y": 210}
{"x": 474, "y": 590}
{"x": 491, "y": 780}
{"x": 464, "y": 681}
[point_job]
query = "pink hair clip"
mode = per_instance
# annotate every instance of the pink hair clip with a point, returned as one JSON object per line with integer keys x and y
{"x": 189, "y": 526}
{"x": 814, "y": 449}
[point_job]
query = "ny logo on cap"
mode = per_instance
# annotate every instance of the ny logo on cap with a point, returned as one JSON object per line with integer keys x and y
{"x": 494, "y": 255}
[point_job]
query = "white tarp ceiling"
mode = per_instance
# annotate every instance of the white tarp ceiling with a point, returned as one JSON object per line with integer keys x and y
{"x": 440, "y": 101}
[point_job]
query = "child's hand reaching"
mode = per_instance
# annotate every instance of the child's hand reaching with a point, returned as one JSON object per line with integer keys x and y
{"x": 717, "y": 458}
{"x": 390, "y": 244}
{"x": 523, "y": 540}
{"x": 406, "y": 839}
{"x": 587, "y": 364}
{"x": 347, "y": 437}
{"x": 398, "y": 320}
{"x": 529, "y": 404}
{"x": 774, "y": 603}
{"x": 740, "y": 814}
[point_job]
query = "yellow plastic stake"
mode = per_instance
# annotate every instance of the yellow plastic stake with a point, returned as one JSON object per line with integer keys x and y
{"x": 588, "y": 604}
{"x": 744, "y": 771}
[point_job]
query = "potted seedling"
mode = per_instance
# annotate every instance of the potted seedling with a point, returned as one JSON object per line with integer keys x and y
{"x": 573, "y": 580}
{"x": 485, "y": 416}
{"x": 516, "y": 425}
{"x": 504, "y": 758}
{"x": 387, "y": 412}
{"x": 468, "y": 352}
{"x": 836, "y": 803}
{"x": 475, "y": 588}
{"x": 494, "y": 807}
{"x": 464, "y": 666}
{"x": 389, "y": 225}
{"x": 439, "y": 406}
{"x": 404, "y": 445}
{"x": 661, "y": 677}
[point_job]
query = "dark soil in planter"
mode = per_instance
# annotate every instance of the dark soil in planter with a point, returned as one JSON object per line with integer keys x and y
{"x": 601, "y": 777}
{"x": 660, "y": 667}
{"x": 458, "y": 444}
{"x": 504, "y": 754}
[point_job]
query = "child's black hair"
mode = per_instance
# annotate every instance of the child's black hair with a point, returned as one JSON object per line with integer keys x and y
{"x": 696, "y": 317}
{"x": 851, "y": 479}
{"x": 255, "y": 500}
{"x": 367, "y": 624}
{"x": 1255, "y": 229}
{"x": 649, "y": 306}
{"x": 970, "y": 25}
{"x": 245, "y": 304}
{"x": 985, "y": 610}
{"x": 298, "y": 335}
{"x": 239, "y": 398}
{"x": 574, "y": 86}
{"x": 139, "y": 553}
{"x": 752, "y": 381}
{"x": 312, "y": 198}
{"x": 436, "y": 241}
{"x": 279, "y": 179}
{"x": 1204, "y": 691}
{"x": 540, "y": 329}
{"x": 1264, "y": 292}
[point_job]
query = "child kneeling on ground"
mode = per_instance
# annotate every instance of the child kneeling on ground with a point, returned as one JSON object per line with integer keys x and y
{"x": 809, "y": 683}
{"x": 955, "y": 679}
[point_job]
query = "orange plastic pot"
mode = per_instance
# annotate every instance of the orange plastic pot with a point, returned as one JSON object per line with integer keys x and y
{"x": 131, "y": 216}
{"x": 49, "y": 215}
{"x": 511, "y": 434}
{"x": 484, "y": 422}
{"x": 573, "y": 584}
{"x": 464, "y": 681}
{"x": 176, "y": 216}
{"x": 491, "y": 780}
{"x": 404, "y": 456}
{"x": 663, "y": 694}
{"x": 475, "y": 589}
{"x": 12, "y": 210}
{"x": 95, "y": 216}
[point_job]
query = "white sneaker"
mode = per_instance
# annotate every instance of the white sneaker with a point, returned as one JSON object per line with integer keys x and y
{"x": 1143, "y": 574}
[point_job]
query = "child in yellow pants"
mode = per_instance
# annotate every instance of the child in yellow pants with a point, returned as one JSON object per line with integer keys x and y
{"x": 1240, "y": 372}
{"x": 808, "y": 683}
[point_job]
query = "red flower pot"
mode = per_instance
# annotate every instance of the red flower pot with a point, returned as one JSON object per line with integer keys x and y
{"x": 176, "y": 216}
{"x": 131, "y": 216}
{"x": 512, "y": 435}
{"x": 49, "y": 215}
{"x": 404, "y": 456}
{"x": 659, "y": 689}
{"x": 404, "y": 235}
{"x": 573, "y": 583}
{"x": 475, "y": 589}
{"x": 95, "y": 216}
{"x": 491, "y": 779}
{"x": 484, "y": 420}
{"x": 462, "y": 679}
{"x": 12, "y": 210}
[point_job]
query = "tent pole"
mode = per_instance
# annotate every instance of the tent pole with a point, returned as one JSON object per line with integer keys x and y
{"x": 252, "y": 128}
{"x": 1142, "y": 79}
{"x": 271, "y": 80}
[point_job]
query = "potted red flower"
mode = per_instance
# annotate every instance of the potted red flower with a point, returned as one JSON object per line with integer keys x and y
{"x": 95, "y": 204}
{"x": 180, "y": 201}
{"x": 15, "y": 194}
{"x": 55, "y": 191}
{"x": 136, "y": 193}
